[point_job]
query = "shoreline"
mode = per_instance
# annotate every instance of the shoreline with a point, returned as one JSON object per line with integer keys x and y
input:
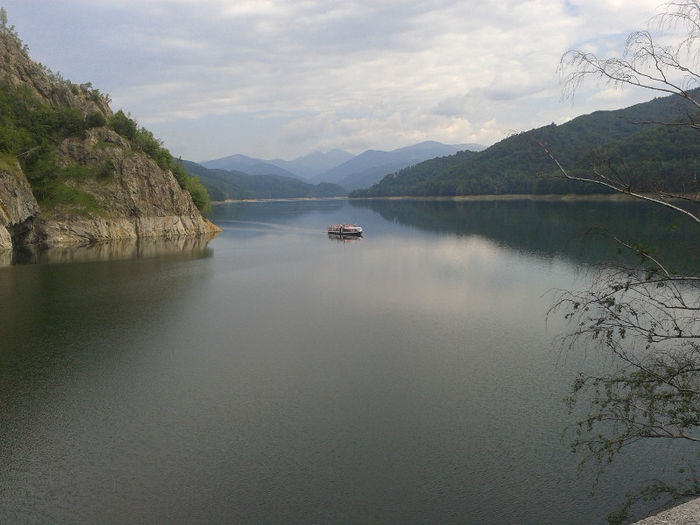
{"x": 281, "y": 199}
{"x": 572, "y": 197}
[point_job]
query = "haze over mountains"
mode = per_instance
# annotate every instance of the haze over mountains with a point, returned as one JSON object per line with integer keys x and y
{"x": 340, "y": 167}
{"x": 248, "y": 165}
{"x": 314, "y": 164}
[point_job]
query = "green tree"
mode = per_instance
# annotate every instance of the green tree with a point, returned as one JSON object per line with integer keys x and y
{"x": 123, "y": 125}
{"x": 645, "y": 317}
{"x": 95, "y": 119}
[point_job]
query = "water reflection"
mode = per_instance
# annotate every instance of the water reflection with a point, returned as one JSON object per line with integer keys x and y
{"x": 180, "y": 247}
{"x": 287, "y": 379}
{"x": 582, "y": 231}
{"x": 337, "y": 237}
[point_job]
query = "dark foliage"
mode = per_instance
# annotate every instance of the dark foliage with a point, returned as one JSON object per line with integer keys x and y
{"x": 123, "y": 125}
{"x": 29, "y": 130}
{"x": 649, "y": 154}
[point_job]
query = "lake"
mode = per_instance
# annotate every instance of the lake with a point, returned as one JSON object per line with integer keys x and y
{"x": 276, "y": 375}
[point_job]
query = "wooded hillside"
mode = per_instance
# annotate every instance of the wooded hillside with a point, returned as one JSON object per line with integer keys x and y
{"x": 632, "y": 142}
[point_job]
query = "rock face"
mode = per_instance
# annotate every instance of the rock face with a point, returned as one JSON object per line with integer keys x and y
{"x": 17, "y": 205}
{"x": 131, "y": 196}
{"x": 136, "y": 198}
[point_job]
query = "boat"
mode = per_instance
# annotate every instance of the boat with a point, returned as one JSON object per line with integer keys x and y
{"x": 345, "y": 229}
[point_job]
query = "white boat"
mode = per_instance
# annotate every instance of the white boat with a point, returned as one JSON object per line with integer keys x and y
{"x": 345, "y": 229}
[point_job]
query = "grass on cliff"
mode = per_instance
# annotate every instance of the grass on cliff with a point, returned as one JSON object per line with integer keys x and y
{"x": 79, "y": 202}
{"x": 30, "y": 131}
{"x": 53, "y": 185}
{"x": 8, "y": 164}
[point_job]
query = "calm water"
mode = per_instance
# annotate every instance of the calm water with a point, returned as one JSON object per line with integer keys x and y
{"x": 279, "y": 376}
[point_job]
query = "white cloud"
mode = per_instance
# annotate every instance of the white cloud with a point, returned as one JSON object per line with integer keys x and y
{"x": 327, "y": 73}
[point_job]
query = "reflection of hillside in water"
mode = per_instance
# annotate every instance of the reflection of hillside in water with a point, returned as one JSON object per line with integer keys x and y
{"x": 582, "y": 231}
{"x": 62, "y": 313}
{"x": 183, "y": 248}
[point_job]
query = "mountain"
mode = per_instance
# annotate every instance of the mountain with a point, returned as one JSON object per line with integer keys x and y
{"x": 304, "y": 167}
{"x": 649, "y": 156}
{"x": 249, "y": 165}
{"x": 224, "y": 184}
{"x": 312, "y": 164}
{"x": 74, "y": 172}
{"x": 369, "y": 167}
{"x": 338, "y": 166}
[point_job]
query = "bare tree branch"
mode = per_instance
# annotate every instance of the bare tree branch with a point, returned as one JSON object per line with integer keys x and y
{"x": 604, "y": 181}
{"x": 646, "y": 317}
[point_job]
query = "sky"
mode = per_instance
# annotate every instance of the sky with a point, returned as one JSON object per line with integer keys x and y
{"x": 284, "y": 78}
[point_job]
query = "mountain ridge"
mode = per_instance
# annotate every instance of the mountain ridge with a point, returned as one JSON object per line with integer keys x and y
{"x": 519, "y": 164}
{"x": 338, "y": 166}
{"x": 370, "y": 166}
{"x": 312, "y": 164}
{"x": 246, "y": 164}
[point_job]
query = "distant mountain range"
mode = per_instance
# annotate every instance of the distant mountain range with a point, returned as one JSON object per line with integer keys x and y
{"x": 337, "y": 166}
{"x": 235, "y": 185}
{"x": 248, "y": 165}
{"x": 314, "y": 164}
{"x": 369, "y": 167}
{"x": 648, "y": 157}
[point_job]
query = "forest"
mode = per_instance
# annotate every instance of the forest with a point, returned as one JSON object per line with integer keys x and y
{"x": 640, "y": 145}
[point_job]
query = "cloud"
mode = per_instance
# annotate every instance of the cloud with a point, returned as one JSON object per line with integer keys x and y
{"x": 349, "y": 74}
{"x": 307, "y": 128}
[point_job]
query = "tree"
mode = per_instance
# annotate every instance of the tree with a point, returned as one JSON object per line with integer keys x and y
{"x": 123, "y": 125}
{"x": 645, "y": 316}
{"x": 646, "y": 64}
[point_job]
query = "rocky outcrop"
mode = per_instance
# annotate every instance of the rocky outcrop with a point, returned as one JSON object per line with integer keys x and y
{"x": 18, "y": 206}
{"x": 134, "y": 197}
{"x": 127, "y": 195}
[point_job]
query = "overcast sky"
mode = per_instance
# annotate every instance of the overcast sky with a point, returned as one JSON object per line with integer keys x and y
{"x": 282, "y": 78}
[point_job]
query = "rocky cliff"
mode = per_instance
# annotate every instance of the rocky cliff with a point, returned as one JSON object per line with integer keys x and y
{"x": 88, "y": 184}
{"x": 135, "y": 199}
{"x": 17, "y": 203}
